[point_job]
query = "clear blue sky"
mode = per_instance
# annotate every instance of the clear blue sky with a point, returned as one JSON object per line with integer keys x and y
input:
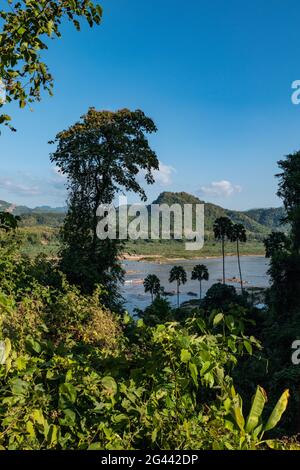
{"x": 214, "y": 75}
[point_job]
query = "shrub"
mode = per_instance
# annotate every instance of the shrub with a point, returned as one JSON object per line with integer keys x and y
{"x": 222, "y": 296}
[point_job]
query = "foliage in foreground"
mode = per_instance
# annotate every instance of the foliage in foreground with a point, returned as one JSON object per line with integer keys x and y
{"x": 72, "y": 393}
{"x": 73, "y": 375}
{"x": 25, "y": 26}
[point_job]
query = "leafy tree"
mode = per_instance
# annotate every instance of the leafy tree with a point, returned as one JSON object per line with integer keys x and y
{"x": 289, "y": 191}
{"x": 221, "y": 296}
{"x": 237, "y": 235}
{"x": 200, "y": 273}
{"x": 53, "y": 393}
{"x": 152, "y": 285}
{"x": 178, "y": 274}
{"x": 100, "y": 155}
{"x": 222, "y": 230}
{"x": 8, "y": 221}
{"x": 26, "y": 24}
{"x": 160, "y": 311}
{"x": 282, "y": 322}
{"x": 275, "y": 243}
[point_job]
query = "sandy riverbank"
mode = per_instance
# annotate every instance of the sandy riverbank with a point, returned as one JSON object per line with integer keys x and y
{"x": 162, "y": 259}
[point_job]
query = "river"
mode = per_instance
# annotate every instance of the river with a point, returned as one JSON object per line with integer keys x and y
{"x": 254, "y": 270}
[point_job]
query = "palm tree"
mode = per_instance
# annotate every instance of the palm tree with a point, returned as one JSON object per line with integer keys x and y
{"x": 200, "y": 273}
{"x": 222, "y": 228}
{"x": 178, "y": 274}
{"x": 238, "y": 234}
{"x": 152, "y": 285}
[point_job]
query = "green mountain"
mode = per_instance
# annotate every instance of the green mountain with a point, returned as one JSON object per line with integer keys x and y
{"x": 269, "y": 217}
{"x": 258, "y": 222}
{"x": 42, "y": 215}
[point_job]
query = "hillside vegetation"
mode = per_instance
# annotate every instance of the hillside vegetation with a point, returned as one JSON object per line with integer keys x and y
{"x": 257, "y": 221}
{"x": 40, "y": 229}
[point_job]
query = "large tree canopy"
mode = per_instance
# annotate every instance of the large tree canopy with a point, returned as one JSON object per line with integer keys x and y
{"x": 24, "y": 28}
{"x": 102, "y": 154}
{"x": 289, "y": 192}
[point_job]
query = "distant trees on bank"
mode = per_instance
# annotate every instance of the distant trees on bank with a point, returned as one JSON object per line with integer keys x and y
{"x": 224, "y": 230}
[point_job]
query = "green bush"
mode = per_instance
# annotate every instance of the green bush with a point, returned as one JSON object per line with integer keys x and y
{"x": 73, "y": 375}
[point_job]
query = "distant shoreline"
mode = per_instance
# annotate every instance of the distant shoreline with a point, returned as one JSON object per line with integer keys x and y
{"x": 160, "y": 259}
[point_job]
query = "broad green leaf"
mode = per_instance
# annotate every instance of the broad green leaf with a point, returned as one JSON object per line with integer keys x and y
{"x": 275, "y": 445}
{"x": 95, "y": 446}
{"x": 237, "y": 412}
{"x": 258, "y": 403}
{"x": 50, "y": 25}
{"x": 52, "y": 435}
{"x": 68, "y": 391}
{"x": 5, "y": 349}
{"x": 218, "y": 318}
{"x": 185, "y": 356}
{"x": 120, "y": 417}
{"x": 38, "y": 417}
{"x": 278, "y": 411}
{"x": 110, "y": 385}
{"x": 248, "y": 347}
{"x": 19, "y": 386}
{"x": 30, "y": 429}
{"x": 154, "y": 435}
{"x": 33, "y": 345}
{"x": 194, "y": 372}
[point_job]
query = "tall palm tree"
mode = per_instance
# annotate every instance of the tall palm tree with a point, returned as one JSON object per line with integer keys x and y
{"x": 200, "y": 273}
{"x": 238, "y": 234}
{"x": 178, "y": 274}
{"x": 222, "y": 228}
{"x": 152, "y": 285}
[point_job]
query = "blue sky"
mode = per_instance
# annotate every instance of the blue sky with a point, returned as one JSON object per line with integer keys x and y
{"x": 214, "y": 75}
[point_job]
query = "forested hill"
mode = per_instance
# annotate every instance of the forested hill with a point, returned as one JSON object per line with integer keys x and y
{"x": 269, "y": 217}
{"x": 42, "y": 215}
{"x": 257, "y": 221}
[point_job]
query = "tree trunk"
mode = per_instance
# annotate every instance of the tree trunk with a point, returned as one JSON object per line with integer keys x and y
{"x": 239, "y": 263}
{"x": 152, "y": 297}
{"x": 200, "y": 291}
{"x": 177, "y": 294}
{"x": 223, "y": 254}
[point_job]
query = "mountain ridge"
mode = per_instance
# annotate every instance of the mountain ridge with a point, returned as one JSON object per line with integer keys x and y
{"x": 259, "y": 221}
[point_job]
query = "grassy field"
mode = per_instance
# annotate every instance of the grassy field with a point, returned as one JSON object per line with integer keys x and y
{"x": 44, "y": 239}
{"x": 173, "y": 249}
{"x": 40, "y": 239}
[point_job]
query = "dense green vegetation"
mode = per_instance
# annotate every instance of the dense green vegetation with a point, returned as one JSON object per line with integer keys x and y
{"x": 38, "y": 221}
{"x": 78, "y": 372}
{"x": 101, "y": 155}
{"x": 257, "y": 228}
{"x": 25, "y": 28}
{"x": 74, "y": 375}
{"x": 175, "y": 249}
{"x": 270, "y": 217}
